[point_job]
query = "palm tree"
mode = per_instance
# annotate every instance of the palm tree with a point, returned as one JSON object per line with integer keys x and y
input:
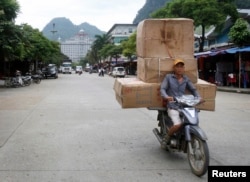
{"x": 99, "y": 43}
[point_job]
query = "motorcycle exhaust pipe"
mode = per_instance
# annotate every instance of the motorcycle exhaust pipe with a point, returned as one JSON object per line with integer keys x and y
{"x": 157, "y": 134}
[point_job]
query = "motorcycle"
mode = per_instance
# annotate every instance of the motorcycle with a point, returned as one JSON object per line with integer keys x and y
{"x": 190, "y": 138}
{"x": 13, "y": 82}
{"x": 101, "y": 72}
{"x": 17, "y": 81}
{"x": 40, "y": 74}
{"x": 36, "y": 78}
{"x": 26, "y": 79}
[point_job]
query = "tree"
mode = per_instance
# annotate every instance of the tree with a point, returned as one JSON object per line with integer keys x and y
{"x": 99, "y": 43}
{"x": 111, "y": 50}
{"x": 9, "y": 32}
{"x": 205, "y": 13}
{"x": 39, "y": 48}
{"x": 9, "y": 10}
{"x": 115, "y": 52}
{"x": 22, "y": 42}
{"x": 104, "y": 52}
{"x": 239, "y": 33}
{"x": 129, "y": 46}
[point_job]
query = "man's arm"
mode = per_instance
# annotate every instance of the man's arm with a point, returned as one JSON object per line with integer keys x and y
{"x": 192, "y": 89}
{"x": 164, "y": 86}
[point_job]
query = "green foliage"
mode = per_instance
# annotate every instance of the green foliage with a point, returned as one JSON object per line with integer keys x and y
{"x": 95, "y": 54}
{"x": 9, "y": 10}
{"x": 204, "y": 13}
{"x": 23, "y": 42}
{"x": 239, "y": 33}
{"x": 39, "y": 48}
{"x": 83, "y": 62}
{"x": 129, "y": 46}
{"x": 105, "y": 50}
{"x": 10, "y": 46}
{"x": 154, "y": 5}
{"x": 115, "y": 51}
{"x": 149, "y": 7}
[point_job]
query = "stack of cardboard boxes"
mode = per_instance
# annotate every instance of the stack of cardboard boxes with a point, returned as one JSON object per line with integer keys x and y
{"x": 159, "y": 42}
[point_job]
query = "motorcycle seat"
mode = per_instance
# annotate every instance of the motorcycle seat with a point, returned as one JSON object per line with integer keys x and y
{"x": 157, "y": 108}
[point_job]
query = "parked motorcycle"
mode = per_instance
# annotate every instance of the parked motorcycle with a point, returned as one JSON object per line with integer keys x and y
{"x": 26, "y": 79}
{"x": 17, "y": 81}
{"x": 13, "y": 82}
{"x": 40, "y": 74}
{"x": 36, "y": 78}
{"x": 190, "y": 139}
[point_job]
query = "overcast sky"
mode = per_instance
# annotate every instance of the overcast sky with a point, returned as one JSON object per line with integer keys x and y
{"x": 101, "y": 13}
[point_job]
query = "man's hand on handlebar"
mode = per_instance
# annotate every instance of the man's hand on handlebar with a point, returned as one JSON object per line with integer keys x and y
{"x": 202, "y": 100}
{"x": 169, "y": 99}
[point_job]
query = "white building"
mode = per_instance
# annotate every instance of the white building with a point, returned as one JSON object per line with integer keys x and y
{"x": 120, "y": 32}
{"x": 77, "y": 47}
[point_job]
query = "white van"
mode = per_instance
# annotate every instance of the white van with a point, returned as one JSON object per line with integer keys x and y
{"x": 118, "y": 72}
{"x": 66, "y": 67}
{"x": 78, "y": 69}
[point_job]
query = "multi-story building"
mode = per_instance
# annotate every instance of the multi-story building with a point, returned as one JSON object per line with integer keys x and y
{"x": 76, "y": 47}
{"x": 120, "y": 32}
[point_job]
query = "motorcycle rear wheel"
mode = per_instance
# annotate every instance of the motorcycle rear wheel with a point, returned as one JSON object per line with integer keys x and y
{"x": 198, "y": 158}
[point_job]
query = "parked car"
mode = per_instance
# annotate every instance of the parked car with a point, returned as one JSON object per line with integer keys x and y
{"x": 78, "y": 69}
{"x": 118, "y": 72}
{"x": 50, "y": 71}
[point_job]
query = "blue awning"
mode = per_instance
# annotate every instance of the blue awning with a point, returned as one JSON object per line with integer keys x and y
{"x": 237, "y": 49}
{"x": 214, "y": 53}
{"x": 202, "y": 54}
{"x": 208, "y": 53}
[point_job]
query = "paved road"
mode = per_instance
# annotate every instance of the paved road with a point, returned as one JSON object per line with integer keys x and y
{"x": 71, "y": 129}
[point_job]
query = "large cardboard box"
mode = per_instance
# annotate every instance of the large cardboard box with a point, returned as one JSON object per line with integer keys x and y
{"x": 165, "y": 38}
{"x": 208, "y": 93}
{"x": 133, "y": 93}
{"x": 206, "y": 89}
{"x": 153, "y": 70}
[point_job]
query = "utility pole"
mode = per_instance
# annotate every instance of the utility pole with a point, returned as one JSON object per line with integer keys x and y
{"x": 53, "y": 31}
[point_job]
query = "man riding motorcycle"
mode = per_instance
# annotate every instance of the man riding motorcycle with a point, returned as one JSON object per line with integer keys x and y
{"x": 175, "y": 85}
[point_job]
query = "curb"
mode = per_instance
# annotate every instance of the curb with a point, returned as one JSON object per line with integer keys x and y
{"x": 234, "y": 90}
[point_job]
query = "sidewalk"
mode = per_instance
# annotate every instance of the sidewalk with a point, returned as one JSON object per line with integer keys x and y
{"x": 234, "y": 89}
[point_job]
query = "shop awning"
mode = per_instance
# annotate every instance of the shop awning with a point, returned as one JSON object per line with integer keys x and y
{"x": 237, "y": 49}
{"x": 202, "y": 54}
{"x": 208, "y": 53}
{"x": 214, "y": 53}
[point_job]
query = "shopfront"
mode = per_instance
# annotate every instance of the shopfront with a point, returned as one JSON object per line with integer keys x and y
{"x": 222, "y": 67}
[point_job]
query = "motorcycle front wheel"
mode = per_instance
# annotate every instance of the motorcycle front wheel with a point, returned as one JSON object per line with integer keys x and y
{"x": 198, "y": 156}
